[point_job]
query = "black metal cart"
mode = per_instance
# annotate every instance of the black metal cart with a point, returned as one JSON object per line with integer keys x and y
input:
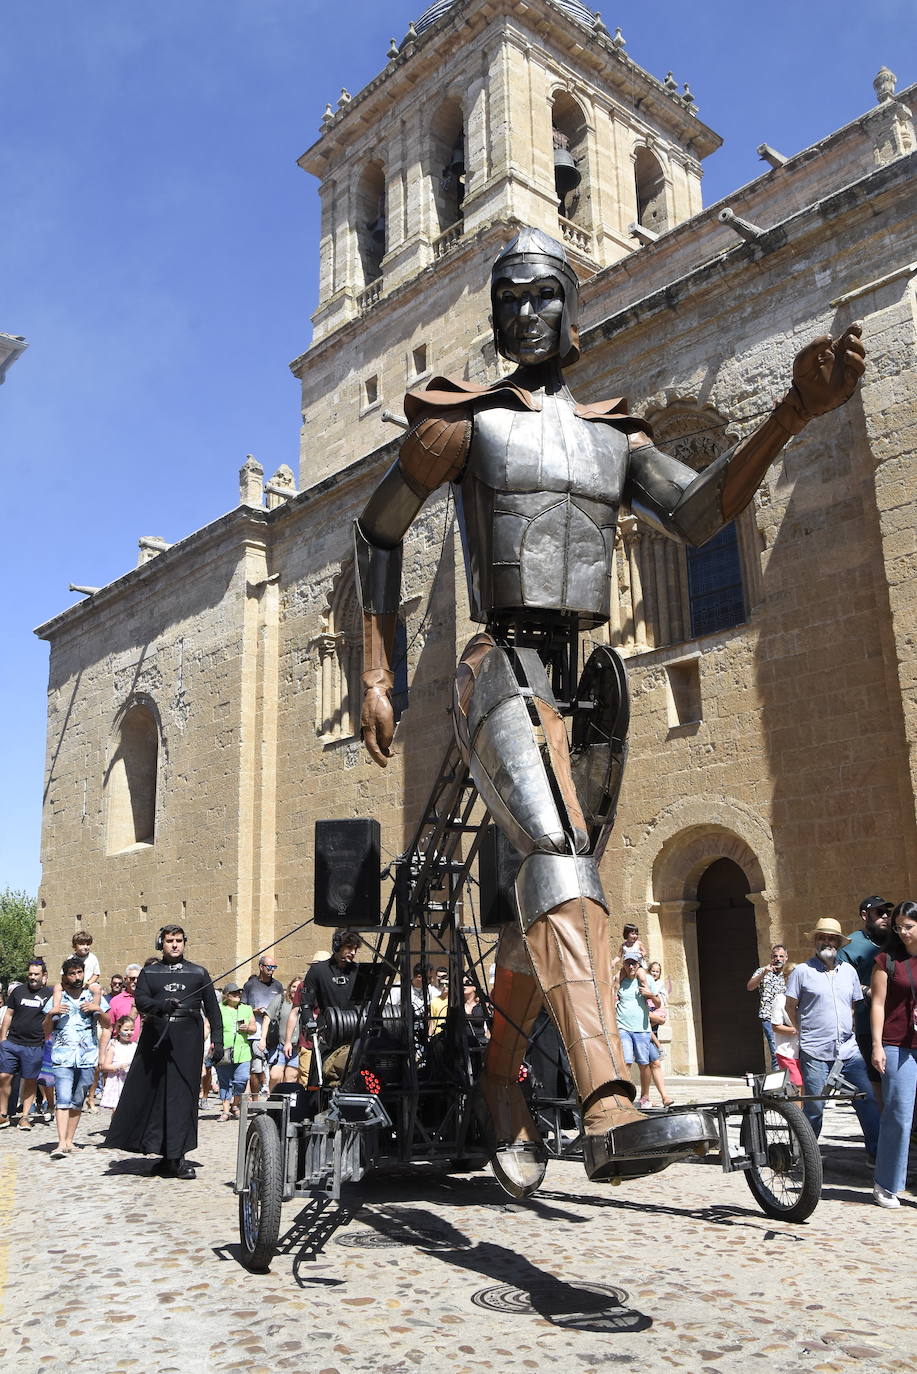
{"x": 406, "y": 1097}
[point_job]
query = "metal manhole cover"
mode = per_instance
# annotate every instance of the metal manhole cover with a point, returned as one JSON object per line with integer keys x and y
{"x": 376, "y": 1240}
{"x": 581, "y": 1307}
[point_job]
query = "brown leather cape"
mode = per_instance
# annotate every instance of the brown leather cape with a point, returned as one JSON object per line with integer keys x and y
{"x": 448, "y": 393}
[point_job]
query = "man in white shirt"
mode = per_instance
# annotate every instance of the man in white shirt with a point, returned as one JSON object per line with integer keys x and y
{"x": 820, "y": 997}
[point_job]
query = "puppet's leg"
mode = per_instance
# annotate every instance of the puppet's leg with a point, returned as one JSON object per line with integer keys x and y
{"x": 519, "y": 1158}
{"x": 514, "y": 739}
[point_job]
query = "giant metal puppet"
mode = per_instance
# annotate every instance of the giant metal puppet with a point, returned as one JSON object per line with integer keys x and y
{"x": 539, "y": 480}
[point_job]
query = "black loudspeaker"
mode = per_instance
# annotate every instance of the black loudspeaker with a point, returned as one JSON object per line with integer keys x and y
{"x": 498, "y": 864}
{"x": 347, "y": 874}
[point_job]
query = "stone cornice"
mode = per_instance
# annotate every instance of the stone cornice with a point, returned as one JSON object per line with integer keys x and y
{"x": 371, "y": 106}
{"x": 719, "y": 271}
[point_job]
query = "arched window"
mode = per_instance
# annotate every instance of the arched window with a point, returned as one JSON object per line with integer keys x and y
{"x": 715, "y": 584}
{"x": 571, "y": 163}
{"x": 447, "y": 165}
{"x": 651, "y": 206}
{"x": 130, "y": 781}
{"x": 370, "y": 221}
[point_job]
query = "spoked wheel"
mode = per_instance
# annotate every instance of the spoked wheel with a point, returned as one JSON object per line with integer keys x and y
{"x": 260, "y": 1203}
{"x": 788, "y": 1185}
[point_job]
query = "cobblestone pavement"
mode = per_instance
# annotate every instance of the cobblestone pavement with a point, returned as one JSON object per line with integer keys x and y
{"x": 100, "y": 1263}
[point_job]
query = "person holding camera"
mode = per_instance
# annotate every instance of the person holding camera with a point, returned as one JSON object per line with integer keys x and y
{"x": 157, "y": 1113}
{"x": 768, "y": 981}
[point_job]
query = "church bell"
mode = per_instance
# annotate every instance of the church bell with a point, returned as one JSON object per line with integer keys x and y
{"x": 567, "y": 175}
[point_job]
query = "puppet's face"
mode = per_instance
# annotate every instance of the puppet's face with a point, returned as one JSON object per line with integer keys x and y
{"x": 527, "y": 316}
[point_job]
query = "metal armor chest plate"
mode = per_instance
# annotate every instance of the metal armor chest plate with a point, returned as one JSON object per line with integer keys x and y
{"x": 538, "y": 503}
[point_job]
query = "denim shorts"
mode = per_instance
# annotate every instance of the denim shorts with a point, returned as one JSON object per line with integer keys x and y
{"x": 71, "y": 1085}
{"x": 277, "y": 1058}
{"x": 638, "y": 1047}
{"x": 21, "y": 1059}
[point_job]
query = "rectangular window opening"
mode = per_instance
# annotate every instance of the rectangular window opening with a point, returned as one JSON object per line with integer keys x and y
{"x": 684, "y": 699}
{"x": 371, "y": 391}
{"x": 419, "y": 359}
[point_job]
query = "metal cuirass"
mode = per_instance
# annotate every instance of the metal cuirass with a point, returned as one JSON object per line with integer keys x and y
{"x": 538, "y": 504}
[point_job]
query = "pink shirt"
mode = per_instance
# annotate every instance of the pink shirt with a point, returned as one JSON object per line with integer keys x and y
{"x": 123, "y": 1005}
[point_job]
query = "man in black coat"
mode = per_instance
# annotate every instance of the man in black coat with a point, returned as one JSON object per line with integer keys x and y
{"x": 157, "y": 1112}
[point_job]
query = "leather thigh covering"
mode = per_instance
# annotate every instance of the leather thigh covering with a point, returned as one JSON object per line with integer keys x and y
{"x": 563, "y": 914}
{"x": 513, "y": 739}
{"x": 517, "y": 1000}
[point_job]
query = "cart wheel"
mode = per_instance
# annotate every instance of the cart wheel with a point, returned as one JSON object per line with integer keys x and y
{"x": 788, "y": 1186}
{"x": 259, "y": 1205}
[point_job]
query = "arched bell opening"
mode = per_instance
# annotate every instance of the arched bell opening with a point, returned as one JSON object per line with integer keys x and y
{"x": 571, "y": 164}
{"x": 447, "y": 164}
{"x": 652, "y": 210}
{"x": 370, "y": 221}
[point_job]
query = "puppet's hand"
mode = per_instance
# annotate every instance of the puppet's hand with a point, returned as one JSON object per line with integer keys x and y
{"x": 377, "y": 723}
{"x": 827, "y": 370}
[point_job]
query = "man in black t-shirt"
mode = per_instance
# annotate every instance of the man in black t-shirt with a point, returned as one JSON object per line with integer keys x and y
{"x": 330, "y": 983}
{"x": 22, "y": 1041}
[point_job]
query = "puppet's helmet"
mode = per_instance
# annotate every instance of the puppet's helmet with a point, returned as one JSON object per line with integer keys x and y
{"x": 533, "y": 254}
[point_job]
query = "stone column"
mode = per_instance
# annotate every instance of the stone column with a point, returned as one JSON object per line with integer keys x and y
{"x": 678, "y": 928}
{"x": 767, "y": 933}
{"x": 630, "y": 532}
{"x": 614, "y": 620}
{"x": 659, "y": 545}
{"x": 327, "y": 656}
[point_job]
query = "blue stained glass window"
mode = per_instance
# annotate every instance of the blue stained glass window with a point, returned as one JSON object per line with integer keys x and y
{"x": 400, "y": 666}
{"x": 715, "y": 584}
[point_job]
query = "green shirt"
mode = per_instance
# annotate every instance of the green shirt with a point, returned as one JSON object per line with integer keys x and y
{"x": 237, "y": 1047}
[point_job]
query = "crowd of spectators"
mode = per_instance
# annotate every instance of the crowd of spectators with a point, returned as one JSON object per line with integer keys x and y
{"x": 848, "y": 1016}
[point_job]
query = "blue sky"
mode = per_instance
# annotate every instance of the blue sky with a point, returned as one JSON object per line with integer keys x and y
{"x": 159, "y": 254}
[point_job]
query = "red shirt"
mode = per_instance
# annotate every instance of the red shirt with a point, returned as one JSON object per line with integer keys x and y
{"x": 899, "y": 1026}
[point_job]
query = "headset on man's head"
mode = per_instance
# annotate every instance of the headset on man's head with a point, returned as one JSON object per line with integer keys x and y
{"x": 168, "y": 930}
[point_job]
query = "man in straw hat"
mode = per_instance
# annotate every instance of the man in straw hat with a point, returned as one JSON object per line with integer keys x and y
{"x": 820, "y": 998}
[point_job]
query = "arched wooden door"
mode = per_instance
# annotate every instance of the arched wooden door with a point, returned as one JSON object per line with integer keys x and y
{"x": 727, "y": 955}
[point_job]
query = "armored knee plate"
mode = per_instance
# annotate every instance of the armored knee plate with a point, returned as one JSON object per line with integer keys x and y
{"x": 545, "y": 881}
{"x": 514, "y": 774}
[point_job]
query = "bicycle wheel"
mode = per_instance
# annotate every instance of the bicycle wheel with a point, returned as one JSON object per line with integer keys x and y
{"x": 787, "y": 1185}
{"x": 260, "y": 1203}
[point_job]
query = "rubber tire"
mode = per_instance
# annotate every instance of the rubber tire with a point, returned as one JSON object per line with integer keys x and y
{"x": 263, "y": 1177}
{"x": 809, "y": 1165}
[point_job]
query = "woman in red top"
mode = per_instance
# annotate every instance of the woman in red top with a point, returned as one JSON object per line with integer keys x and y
{"x": 893, "y": 1016}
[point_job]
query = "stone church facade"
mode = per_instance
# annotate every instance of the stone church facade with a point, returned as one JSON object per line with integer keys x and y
{"x": 203, "y": 708}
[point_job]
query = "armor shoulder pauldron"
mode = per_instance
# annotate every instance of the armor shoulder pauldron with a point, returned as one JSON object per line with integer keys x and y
{"x": 435, "y": 449}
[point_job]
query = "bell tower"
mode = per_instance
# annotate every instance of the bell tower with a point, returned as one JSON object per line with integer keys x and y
{"x": 489, "y": 114}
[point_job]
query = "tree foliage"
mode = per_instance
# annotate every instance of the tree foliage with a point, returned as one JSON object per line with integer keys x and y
{"x": 17, "y": 933}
